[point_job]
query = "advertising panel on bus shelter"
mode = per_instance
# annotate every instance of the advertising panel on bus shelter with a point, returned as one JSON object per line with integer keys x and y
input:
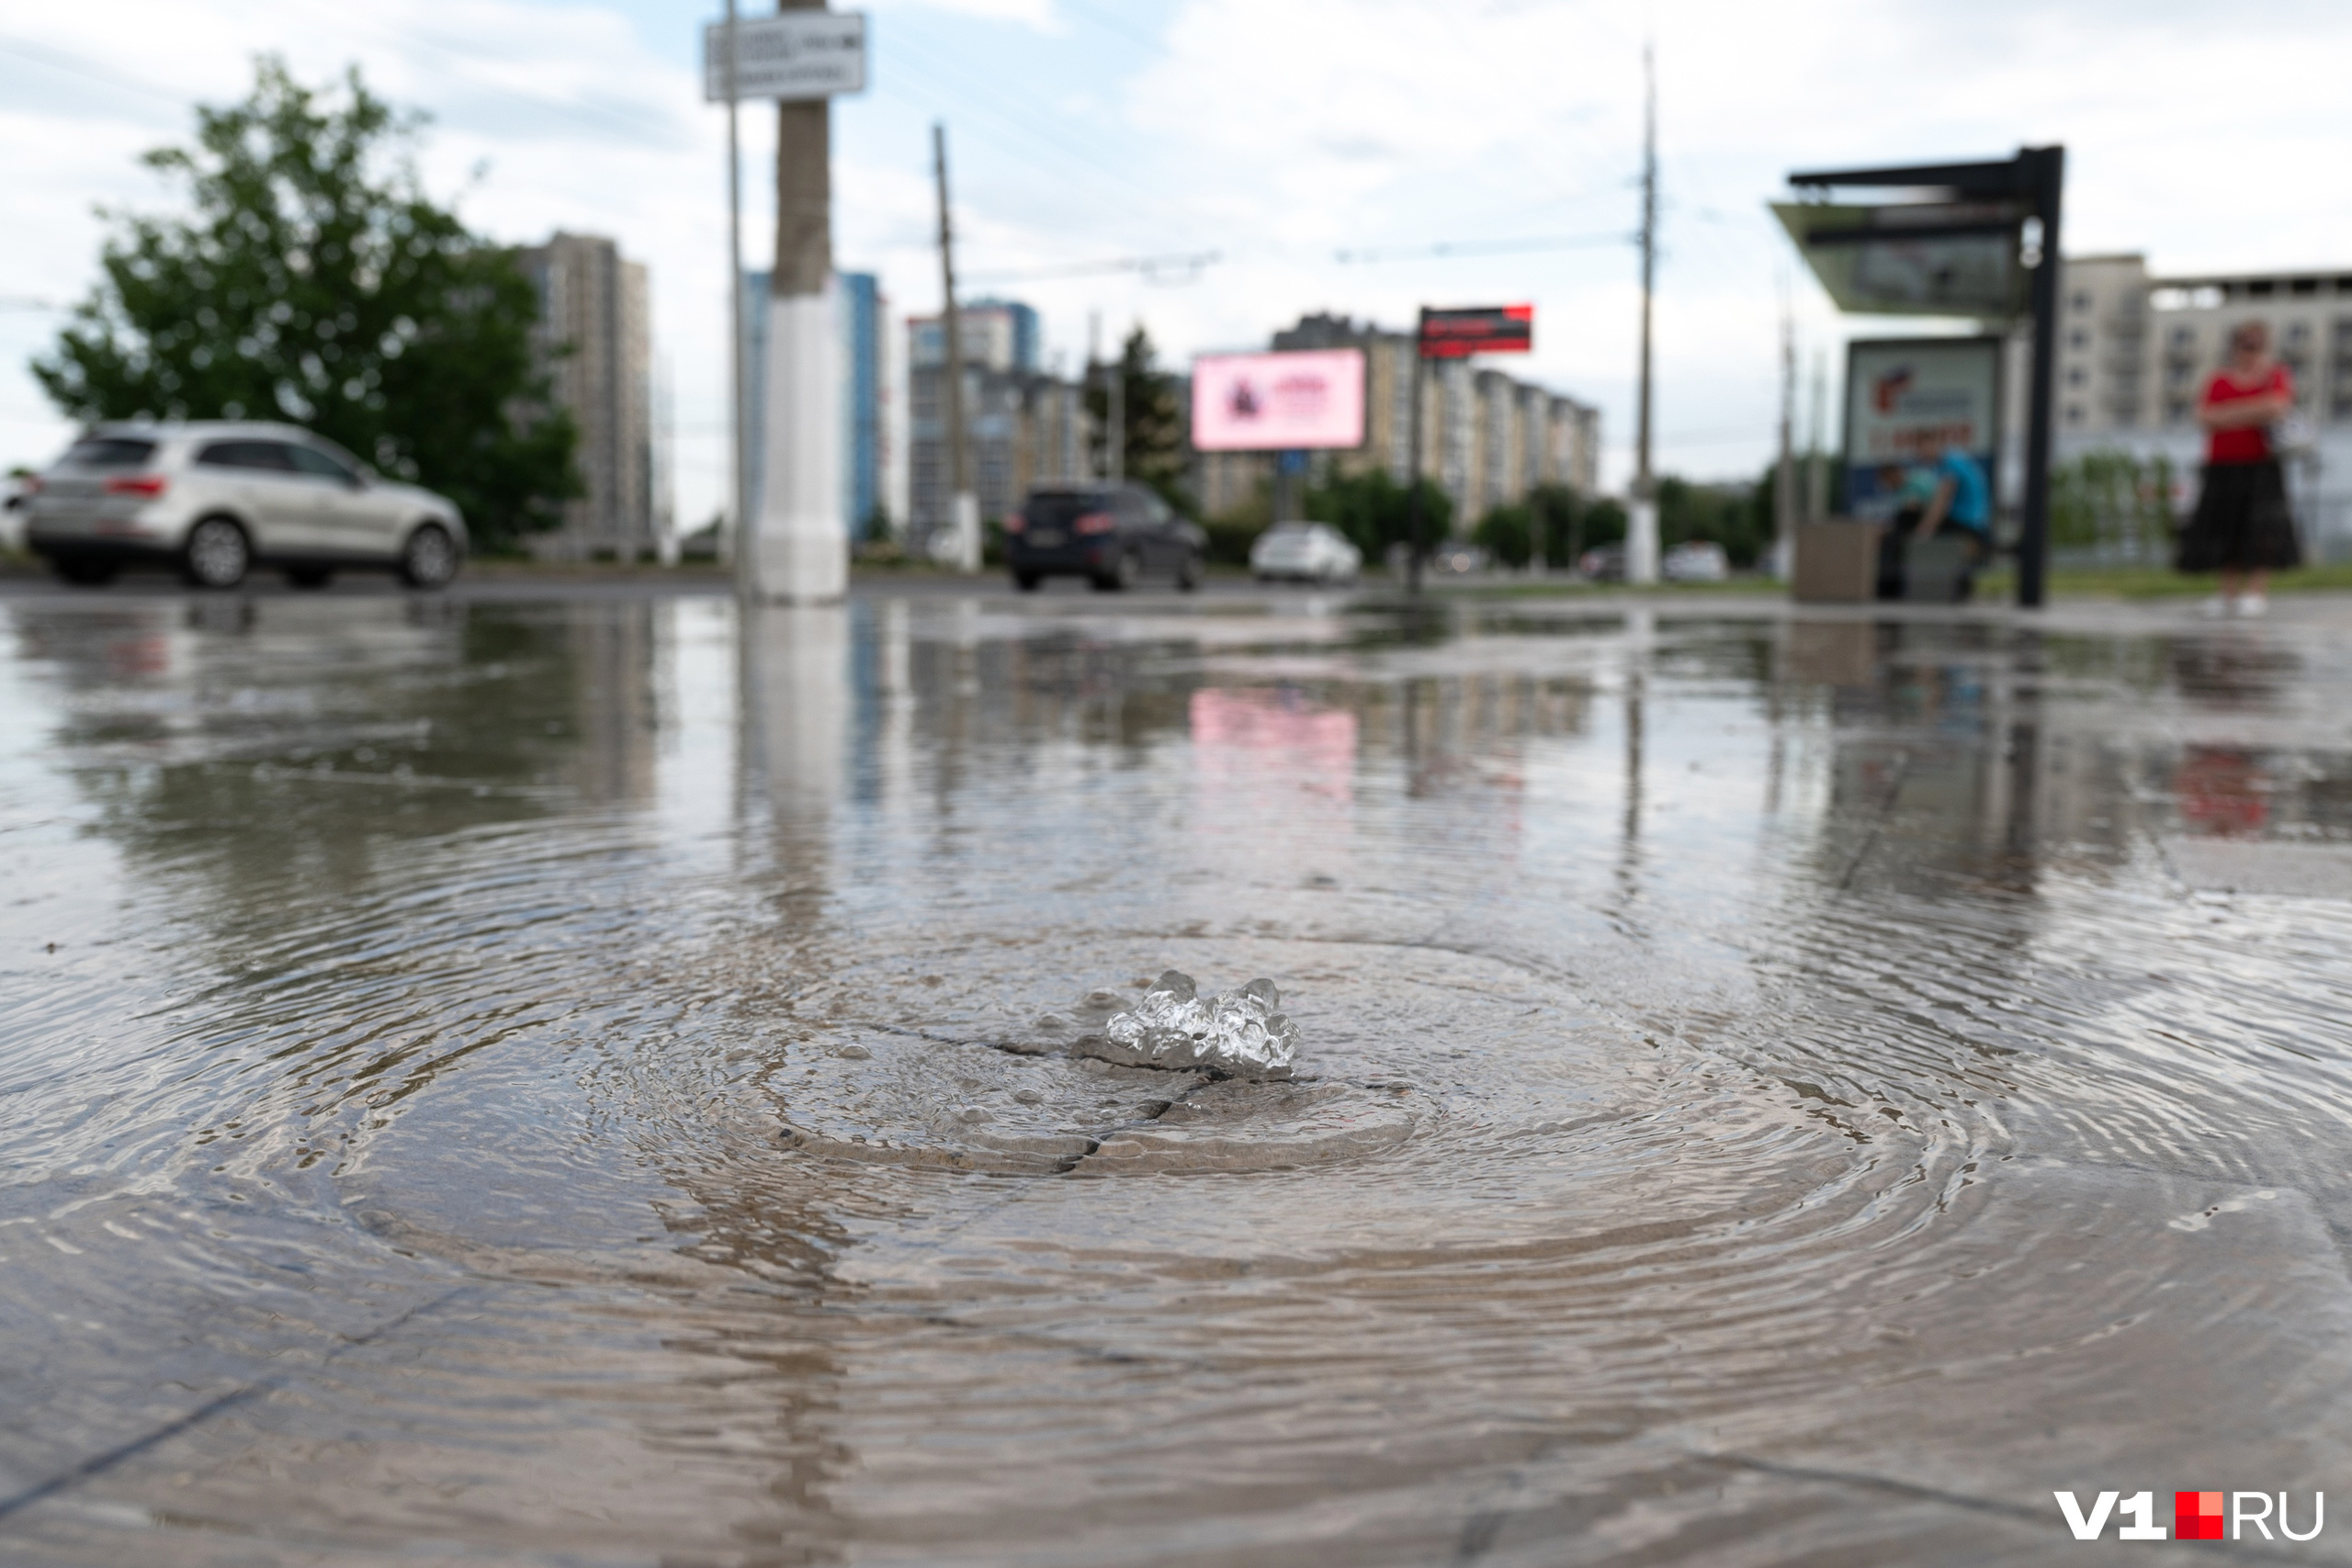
{"x": 1909, "y": 402}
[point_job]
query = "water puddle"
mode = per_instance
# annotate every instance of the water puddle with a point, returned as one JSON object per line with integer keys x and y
{"x": 596, "y": 1081}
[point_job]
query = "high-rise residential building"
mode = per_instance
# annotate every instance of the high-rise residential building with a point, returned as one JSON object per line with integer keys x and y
{"x": 595, "y": 337}
{"x": 863, "y": 314}
{"x": 2135, "y": 350}
{"x": 866, "y": 393}
{"x": 1487, "y": 437}
{"x": 999, "y": 334}
{"x": 1023, "y": 426}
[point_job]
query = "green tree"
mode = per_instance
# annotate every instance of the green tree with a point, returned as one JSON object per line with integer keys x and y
{"x": 1152, "y": 443}
{"x": 2112, "y": 504}
{"x": 1547, "y": 519}
{"x": 1736, "y": 516}
{"x": 315, "y": 281}
{"x": 1375, "y": 511}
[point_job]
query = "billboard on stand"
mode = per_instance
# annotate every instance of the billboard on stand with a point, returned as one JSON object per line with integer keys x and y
{"x": 1310, "y": 401}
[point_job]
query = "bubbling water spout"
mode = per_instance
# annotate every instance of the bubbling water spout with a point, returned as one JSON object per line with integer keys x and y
{"x": 1175, "y": 1027}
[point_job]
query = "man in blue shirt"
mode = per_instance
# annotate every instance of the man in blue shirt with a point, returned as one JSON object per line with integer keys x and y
{"x": 1962, "y": 499}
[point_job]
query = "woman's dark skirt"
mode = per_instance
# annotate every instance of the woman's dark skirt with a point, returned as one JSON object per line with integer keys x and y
{"x": 2242, "y": 522}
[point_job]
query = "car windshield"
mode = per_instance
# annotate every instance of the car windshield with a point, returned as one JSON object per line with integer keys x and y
{"x": 109, "y": 452}
{"x": 1060, "y": 508}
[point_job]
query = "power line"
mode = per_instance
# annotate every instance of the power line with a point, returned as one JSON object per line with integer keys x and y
{"x": 1110, "y": 23}
{"x": 1483, "y": 247}
{"x": 1186, "y": 268}
{"x": 1055, "y": 138}
{"x": 81, "y": 65}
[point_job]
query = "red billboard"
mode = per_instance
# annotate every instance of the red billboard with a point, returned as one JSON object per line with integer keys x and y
{"x": 1486, "y": 329}
{"x": 1278, "y": 402}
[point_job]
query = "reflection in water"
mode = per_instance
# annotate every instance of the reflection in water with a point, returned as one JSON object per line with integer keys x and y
{"x": 592, "y": 1081}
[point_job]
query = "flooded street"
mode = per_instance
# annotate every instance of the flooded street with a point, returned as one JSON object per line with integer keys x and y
{"x": 604, "y": 1081}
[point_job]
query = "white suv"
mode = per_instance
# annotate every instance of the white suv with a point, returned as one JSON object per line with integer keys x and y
{"x": 214, "y": 498}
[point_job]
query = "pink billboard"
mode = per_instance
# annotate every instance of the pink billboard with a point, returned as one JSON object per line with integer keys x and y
{"x": 1278, "y": 402}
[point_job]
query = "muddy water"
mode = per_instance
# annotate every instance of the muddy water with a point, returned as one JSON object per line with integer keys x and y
{"x": 591, "y": 1083}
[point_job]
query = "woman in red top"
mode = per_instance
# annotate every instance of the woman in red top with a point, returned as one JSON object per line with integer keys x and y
{"x": 2243, "y": 528}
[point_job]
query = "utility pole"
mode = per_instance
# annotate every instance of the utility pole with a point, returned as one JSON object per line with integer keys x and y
{"x": 1816, "y": 469}
{"x": 798, "y": 552}
{"x": 1642, "y": 544}
{"x": 1784, "y": 478}
{"x": 739, "y": 483}
{"x": 1536, "y": 428}
{"x": 963, "y": 507}
{"x": 1098, "y": 468}
{"x": 1117, "y": 445}
{"x": 1413, "y": 468}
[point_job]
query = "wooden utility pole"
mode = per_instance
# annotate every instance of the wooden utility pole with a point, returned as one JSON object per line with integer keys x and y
{"x": 963, "y": 507}
{"x": 1642, "y": 544}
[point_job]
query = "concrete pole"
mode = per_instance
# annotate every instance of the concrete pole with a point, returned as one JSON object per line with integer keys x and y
{"x": 1784, "y": 477}
{"x": 1117, "y": 446}
{"x": 1097, "y": 469}
{"x": 1534, "y": 436}
{"x": 963, "y": 505}
{"x": 738, "y": 445}
{"x": 1413, "y": 468}
{"x": 1816, "y": 471}
{"x": 1642, "y": 539}
{"x": 800, "y": 551}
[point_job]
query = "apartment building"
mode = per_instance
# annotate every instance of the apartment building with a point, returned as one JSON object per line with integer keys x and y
{"x": 2135, "y": 350}
{"x": 595, "y": 339}
{"x": 1488, "y": 438}
{"x": 1023, "y": 427}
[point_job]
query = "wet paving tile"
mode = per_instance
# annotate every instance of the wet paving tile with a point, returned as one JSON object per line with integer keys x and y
{"x": 614, "y": 1079}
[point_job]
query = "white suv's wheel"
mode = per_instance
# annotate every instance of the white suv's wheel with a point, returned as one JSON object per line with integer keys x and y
{"x": 429, "y": 559}
{"x": 216, "y": 554}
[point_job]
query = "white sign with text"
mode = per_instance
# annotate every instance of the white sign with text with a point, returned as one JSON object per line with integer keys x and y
{"x": 797, "y": 55}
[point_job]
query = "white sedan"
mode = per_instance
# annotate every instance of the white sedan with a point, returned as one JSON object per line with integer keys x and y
{"x": 1701, "y": 561}
{"x": 1304, "y": 552}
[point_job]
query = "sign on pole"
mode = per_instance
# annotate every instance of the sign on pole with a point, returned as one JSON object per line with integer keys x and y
{"x": 1278, "y": 402}
{"x": 1486, "y": 329}
{"x": 793, "y": 56}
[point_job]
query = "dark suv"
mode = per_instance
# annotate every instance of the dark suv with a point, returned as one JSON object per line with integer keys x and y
{"x": 1113, "y": 535}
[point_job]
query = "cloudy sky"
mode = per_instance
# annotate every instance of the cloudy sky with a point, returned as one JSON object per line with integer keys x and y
{"x": 1276, "y": 133}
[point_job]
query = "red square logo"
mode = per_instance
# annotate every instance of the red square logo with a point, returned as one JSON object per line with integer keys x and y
{"x": 2197, "y": 1516}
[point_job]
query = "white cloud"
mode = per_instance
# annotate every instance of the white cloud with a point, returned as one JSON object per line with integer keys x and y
{"x": 1274, "y": 132}
{"x": 1038, "y": 14}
